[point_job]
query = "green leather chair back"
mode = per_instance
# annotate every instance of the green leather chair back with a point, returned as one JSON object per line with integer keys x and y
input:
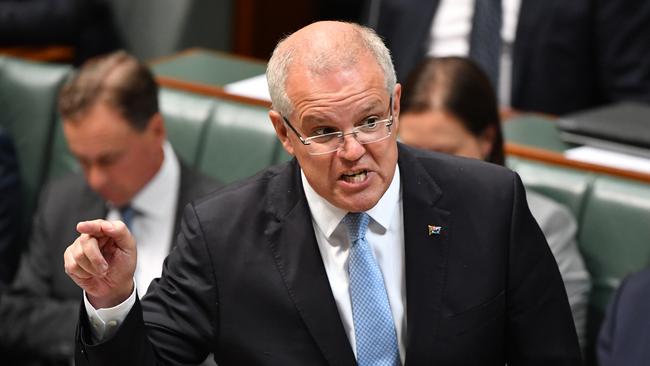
{"x": 535, "y": 131}
{"x": 240, "y": 142}
{"x": 281, "y": 155}
{"x": 62, "y": 161}
{"x": 28, "y": 95}
{"x": 614, "y": 238}
{"x": 186, "y": 118}
{"x": 615, "y": 234}
{"x": 566, "y": 186}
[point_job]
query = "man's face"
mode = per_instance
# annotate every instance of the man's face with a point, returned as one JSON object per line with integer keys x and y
{"x": 441, "y": 131}
{"x": 356, "y": 176}
{"x": 116, "y": 159}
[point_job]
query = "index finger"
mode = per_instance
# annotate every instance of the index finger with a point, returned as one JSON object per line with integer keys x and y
{"x": 92, "y": 228}
{"x": 115, "y": 230}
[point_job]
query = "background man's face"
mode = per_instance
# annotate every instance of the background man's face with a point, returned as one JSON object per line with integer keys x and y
{"x": 355, "y": 177}
{"x": 116, "y": 159}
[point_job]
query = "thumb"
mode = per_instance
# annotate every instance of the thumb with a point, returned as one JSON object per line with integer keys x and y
{"x": 120, "y": 234}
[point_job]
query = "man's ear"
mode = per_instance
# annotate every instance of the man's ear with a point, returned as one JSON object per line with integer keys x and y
{"x": 281, "y": 131}
{"x": 156, "y": 127}
{"x": 486, "y": 141}
{"x": 397, "y": 94}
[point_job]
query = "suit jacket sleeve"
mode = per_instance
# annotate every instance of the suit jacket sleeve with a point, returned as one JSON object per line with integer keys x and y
{"x": 539, "y": 327}
{"x": 623, "y": 338}
{"x": 608, "y": 332}
{"x": 175, "y": 322}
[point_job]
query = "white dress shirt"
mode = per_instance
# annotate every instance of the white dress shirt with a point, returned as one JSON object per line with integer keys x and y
{"x": 153, "y": 228}
{"x": 450, "y": 36}
{"x": 386, "y": 238}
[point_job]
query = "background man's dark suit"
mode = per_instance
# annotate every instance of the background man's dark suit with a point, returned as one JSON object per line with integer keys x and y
{"x": 625, "y": 334}
{"x": 247, "y": 282}
{"x": 40, "y": 312}
{"x": 568, "y": 55}
{"x": 10, "y": 223}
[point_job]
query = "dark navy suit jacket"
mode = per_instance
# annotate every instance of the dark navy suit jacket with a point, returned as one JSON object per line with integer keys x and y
{"x": 625, "y": 334}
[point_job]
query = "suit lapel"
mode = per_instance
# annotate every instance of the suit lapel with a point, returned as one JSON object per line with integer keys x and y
{"x": 296, "y": 255}
{"x": 425, "y": 257}
{"x": 184, "y": 196}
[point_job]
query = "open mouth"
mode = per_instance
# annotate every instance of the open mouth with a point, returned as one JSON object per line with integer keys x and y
{"x": 355, "y": 177}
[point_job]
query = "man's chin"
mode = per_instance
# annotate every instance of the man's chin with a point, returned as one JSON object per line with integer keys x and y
{"x": 358, "y": 203}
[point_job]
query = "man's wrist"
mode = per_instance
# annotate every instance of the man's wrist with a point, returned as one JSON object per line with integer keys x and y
{"x": 104, "y": 322}
{"x": 103, "y": 302}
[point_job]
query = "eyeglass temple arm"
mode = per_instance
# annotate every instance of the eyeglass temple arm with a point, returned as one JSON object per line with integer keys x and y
{"x": 295, "y": 131}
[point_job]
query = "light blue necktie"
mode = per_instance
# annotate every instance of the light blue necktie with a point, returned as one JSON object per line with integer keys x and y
{"x": 374, "y": 329}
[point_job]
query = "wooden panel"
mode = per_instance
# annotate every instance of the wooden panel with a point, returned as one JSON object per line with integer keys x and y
{"x": 41, "y": 53}
{"x": 259, "y": 24}
{"x": 551, "y": 157}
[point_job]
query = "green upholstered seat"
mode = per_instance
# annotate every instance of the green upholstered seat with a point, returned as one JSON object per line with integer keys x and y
{"x": 615, "y": 234}
{"x": 186, "y": 118}
{"x": 208, "y": 68}
{"x": 240, "y": 141}
{"x": 62, "y": 161}
{"x": 281, "y": 155}
{"x": 28, "y": 94}
{"x": 566, "y": 186}
{"x": 535, "y": 131}
{"x": 614, "y": 238}
{"x": 613, "y": 227}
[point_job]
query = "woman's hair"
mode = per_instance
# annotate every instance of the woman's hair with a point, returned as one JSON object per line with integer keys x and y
{"x": 457, "y": 86}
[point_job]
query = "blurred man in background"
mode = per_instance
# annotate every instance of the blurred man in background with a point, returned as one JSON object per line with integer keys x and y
{"x": 113, "y": 127}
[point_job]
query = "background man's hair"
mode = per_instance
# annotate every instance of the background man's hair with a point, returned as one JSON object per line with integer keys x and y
{"x": 117, "y": 79}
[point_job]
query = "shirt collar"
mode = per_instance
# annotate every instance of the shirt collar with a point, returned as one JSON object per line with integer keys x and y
{"x": 150, "y": 200}
{"x": 327, "y": 216}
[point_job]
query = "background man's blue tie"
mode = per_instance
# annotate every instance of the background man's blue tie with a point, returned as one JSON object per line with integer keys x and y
{"x": 127, "y": 213}
{"x": 374, "y": 329}
{"x": 485, "y": 39}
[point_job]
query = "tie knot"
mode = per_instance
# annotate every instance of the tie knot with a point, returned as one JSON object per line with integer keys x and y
{"x": 357, "y": 225}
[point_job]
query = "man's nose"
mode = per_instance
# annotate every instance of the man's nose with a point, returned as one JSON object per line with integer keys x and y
{"x": 96, "y": 177}
{"x": 351, "y": 149}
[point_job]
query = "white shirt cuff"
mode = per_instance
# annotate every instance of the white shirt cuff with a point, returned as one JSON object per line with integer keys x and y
{"x": 105, "y": 322}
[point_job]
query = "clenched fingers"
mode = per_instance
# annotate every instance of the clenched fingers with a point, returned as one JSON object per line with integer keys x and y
{"x": 116, "y": 230}
{"x": 84, "y": 259}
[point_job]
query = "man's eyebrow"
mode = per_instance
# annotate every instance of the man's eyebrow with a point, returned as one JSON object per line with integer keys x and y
{"x": 362, "y": 112}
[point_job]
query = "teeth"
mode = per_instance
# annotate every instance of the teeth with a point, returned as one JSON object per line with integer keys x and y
{"x": 355, "y": 177}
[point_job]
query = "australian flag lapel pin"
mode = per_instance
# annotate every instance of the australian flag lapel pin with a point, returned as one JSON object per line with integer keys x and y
{"x": 434, "y": 230}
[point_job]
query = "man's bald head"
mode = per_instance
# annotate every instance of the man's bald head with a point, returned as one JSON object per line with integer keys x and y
{"x": 320, "y": 48}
